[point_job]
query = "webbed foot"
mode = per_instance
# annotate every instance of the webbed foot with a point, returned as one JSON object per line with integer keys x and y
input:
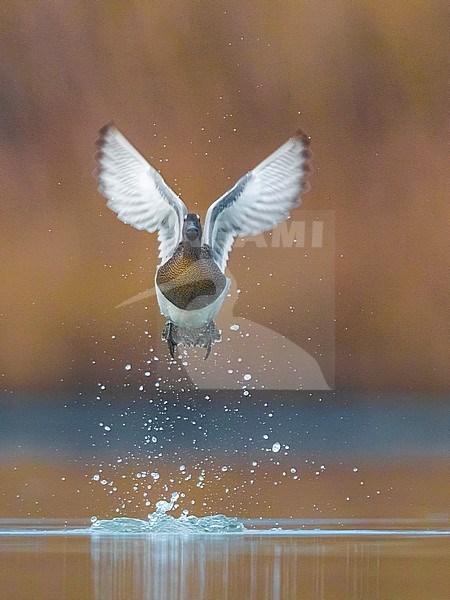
{"x": 212, "y": 334}
{"x": 208, "y": 348}
{"x": 167, "y": 335}
{"x": 203, "y": 337}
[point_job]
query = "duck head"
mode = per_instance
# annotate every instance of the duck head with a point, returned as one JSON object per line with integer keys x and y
{"x": 192, "y": 231}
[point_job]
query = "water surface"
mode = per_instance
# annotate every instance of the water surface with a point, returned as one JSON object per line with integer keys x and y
{"x": 269, "y": 560}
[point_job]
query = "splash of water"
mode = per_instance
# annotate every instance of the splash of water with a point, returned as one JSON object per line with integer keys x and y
{"x": 161, "y": 522}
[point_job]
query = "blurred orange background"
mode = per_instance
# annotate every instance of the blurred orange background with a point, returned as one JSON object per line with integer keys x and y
{"x": 205, "y": 91}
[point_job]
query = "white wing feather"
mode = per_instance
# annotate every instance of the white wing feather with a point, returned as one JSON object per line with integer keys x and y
{"x": 137, "y": 192}
{"x": 260, "y": 200}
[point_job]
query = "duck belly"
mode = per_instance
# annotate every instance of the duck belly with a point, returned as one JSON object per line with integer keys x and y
{"x": 194, "y": 319}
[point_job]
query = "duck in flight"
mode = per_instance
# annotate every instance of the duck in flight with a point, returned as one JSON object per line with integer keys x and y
{"x": 190, "y": 280}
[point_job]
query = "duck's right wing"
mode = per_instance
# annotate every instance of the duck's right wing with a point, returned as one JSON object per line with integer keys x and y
{"x": 260, "y": 199}
{"x": 137, "y": 192}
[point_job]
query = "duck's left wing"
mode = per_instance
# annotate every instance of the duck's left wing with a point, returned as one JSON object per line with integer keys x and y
{"x": 137, "y": 192}
{"x": 260, "y": 199}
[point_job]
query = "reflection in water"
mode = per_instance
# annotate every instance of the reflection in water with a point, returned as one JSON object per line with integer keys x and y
{"x": 192, "y": 567}
{"x": 247, "y": 567}
{"x": 313, "y": 564}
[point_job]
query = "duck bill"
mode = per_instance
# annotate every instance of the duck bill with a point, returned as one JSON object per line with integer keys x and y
{"x": 192, "y": 232}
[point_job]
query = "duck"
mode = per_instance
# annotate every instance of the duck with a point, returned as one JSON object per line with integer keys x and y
{"x": 190, "y": 280}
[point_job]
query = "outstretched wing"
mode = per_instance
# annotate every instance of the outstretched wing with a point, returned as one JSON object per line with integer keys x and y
{"x": 137, "y": 192}
{"x": 260, "y": 199}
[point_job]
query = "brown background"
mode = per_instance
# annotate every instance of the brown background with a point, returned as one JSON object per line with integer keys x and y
{"x": 206, "y": 90}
